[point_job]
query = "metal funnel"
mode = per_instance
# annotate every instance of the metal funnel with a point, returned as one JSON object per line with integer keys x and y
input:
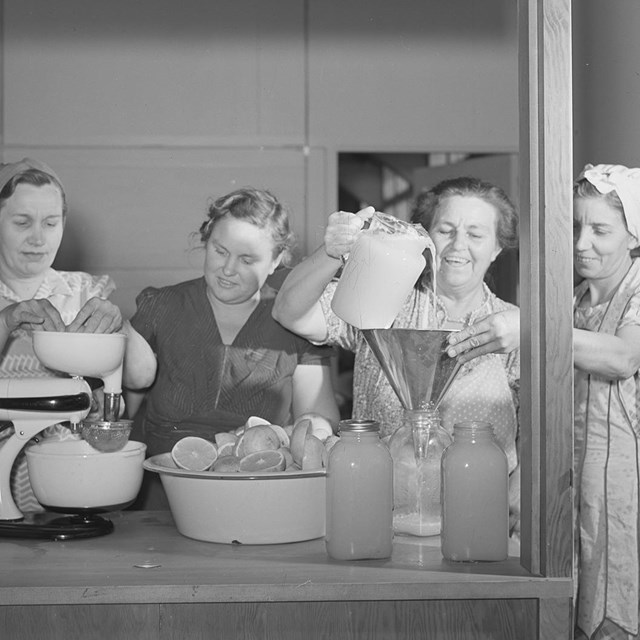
{"x": 415, "y": 363}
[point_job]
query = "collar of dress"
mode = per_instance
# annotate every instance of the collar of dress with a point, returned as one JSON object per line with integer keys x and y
{"x": 52, "y": 284}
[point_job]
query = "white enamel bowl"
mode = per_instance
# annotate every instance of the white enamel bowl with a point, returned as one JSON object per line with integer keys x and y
{"x": 71, "y": 475}
{"x": 257, "y": 508}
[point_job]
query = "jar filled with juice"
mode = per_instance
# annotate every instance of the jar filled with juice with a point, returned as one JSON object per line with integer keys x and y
{"x": 475, "y": 495}
{"x": 359, "y": 494}
{"x": 383, "y": 266}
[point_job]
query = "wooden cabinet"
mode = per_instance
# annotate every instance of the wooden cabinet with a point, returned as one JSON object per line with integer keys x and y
{"x": 146, "y": 580}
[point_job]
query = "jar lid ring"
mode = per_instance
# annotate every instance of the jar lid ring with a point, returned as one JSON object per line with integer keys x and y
{"x": 358, "y": 426}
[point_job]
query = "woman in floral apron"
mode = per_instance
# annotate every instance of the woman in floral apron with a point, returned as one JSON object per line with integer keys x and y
{"x": 607, "y": 400}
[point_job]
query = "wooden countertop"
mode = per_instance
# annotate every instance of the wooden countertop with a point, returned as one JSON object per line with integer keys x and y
{"x": 146, "y": 560}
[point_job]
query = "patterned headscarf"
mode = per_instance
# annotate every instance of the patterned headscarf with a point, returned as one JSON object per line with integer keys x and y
{"x": 625, "y": 182}
{"x": 11, "y": 169}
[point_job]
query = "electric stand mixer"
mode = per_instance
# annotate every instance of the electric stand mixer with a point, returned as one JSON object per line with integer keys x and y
{"x": 98, "y": 470}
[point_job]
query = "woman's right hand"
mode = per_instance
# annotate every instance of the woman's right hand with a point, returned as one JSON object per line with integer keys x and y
{"x": 97, "y": 316}
{"x": 343, "y": 229}
{"x": 37, "y": 314}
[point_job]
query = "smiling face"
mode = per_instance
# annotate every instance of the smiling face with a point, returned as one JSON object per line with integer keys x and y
{"x": 239, "y": 257}
{"x": 601, "y": 242}
{"x": 464, "y": 234}
{"x": 31, "y": 226}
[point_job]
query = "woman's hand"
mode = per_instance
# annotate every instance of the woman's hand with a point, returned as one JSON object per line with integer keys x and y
{"x": 97, "y": 316}
{"x": 342, "y": 230}
{"x": 35, "y": 315}
{"x": 497, "y": 333}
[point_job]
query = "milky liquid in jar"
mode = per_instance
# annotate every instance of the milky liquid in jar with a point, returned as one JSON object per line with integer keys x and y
{"x": 475, "y": 495}
{"x": 359, "y": 522}
{"x": 379, "y": 274}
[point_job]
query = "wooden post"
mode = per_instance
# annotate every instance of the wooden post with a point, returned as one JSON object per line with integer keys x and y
{"x": 546, "y": 282}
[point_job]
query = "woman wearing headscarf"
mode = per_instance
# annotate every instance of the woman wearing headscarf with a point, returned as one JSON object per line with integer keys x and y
{"x": 33, "y": 295}
{"x": 607, "y": 400}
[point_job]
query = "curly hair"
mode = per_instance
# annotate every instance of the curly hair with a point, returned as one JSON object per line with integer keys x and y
{"x": 258, "y": 207}
{"x": 428, "y": 201}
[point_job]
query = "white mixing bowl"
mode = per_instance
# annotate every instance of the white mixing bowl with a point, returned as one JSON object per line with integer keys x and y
{"x": 257, "y": 508}
{"x": 72, "y": 475}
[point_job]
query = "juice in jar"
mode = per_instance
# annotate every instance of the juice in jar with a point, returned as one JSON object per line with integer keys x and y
{"x": 359, "y": 494}
{"x": 475, "y": 495}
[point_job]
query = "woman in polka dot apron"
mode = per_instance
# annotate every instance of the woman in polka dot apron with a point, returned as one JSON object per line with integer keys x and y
{"x": 470, "y": 223}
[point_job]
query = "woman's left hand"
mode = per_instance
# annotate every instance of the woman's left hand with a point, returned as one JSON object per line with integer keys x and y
{"x": 497, "y": 333}
{"x": 97, "y": 316}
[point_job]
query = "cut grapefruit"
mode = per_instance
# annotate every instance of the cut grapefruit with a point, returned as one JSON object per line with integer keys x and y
{"x": 260, "y": 438}
{"x": 269, "y": 460}
{"x": 227, "y": 463}
{"x": 194, "y": 454}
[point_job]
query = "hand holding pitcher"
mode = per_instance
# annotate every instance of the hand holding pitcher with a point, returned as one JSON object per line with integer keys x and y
{"x": 343, "y": 229}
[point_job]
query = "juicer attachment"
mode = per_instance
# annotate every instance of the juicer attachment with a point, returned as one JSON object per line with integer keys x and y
{"x": 96, "y": 355}
{"x": 415, "y": 362}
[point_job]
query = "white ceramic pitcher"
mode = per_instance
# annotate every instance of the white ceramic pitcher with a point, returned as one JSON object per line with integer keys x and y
{"x": 384, "y": 264}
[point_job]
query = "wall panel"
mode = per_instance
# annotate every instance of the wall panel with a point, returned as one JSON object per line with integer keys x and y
{"x": 148, "y": 107}
{"x": 407, "y": 75}
{"x": 153, "y": 71}
{"x": 132, "y": 212}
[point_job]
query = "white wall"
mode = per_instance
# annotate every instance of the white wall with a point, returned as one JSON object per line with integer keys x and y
{"x": 148, "y": 108}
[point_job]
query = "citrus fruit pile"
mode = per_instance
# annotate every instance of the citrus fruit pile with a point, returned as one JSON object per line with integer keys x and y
{"x": 259, "y": 446}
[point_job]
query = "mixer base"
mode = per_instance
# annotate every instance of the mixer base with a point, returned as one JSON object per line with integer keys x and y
{"x": 52, "y": 526}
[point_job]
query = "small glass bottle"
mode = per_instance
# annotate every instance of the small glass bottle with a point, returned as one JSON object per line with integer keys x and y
{"x": 359, "y": 494}
{"x": 416, "y": 449}
{"x": 475, "y": 495}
